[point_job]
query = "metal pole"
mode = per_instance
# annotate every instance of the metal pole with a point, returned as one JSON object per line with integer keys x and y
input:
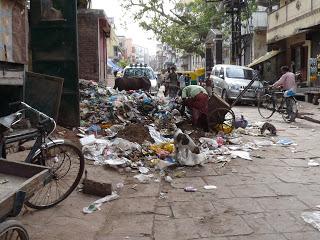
{"x": 233, "y": 47}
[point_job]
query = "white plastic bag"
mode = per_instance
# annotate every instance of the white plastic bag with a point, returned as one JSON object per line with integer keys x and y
{"x": 312, "y": 218}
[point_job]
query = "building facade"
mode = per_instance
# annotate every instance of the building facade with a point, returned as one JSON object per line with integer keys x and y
{"x": 294, "y": 29}
{"x": 13, "y": 51}
{"x": 93, "y": 31}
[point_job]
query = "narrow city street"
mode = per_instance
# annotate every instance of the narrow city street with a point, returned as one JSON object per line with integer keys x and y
{"x": 262, "y": 199}
{"x": 159, "y": 119}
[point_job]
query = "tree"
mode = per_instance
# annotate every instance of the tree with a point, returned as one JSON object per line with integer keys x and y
{"x": 182, "y": 26}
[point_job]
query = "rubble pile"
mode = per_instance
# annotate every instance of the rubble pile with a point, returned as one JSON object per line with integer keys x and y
{"x": 134, "y": 132}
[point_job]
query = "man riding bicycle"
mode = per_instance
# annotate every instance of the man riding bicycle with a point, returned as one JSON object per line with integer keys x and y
{"x": 288, "y": 83}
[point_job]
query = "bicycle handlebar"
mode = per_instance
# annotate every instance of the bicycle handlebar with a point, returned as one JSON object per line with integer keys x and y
{"x": 41, "y": 114}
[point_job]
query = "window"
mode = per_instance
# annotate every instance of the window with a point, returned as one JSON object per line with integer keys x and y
{"x": 139, "y": 72}
{"x": 239, "y": 73}
{"x": 216, "y": 72}
{"x": 221, "y": 73}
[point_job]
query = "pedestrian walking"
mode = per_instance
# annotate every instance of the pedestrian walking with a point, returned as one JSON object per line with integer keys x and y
{"x": 182, "y": 81}
{"x": 172, "y": 83}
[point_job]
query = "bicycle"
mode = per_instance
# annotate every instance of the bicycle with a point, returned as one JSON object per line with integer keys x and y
{"x": 65, "y": 160}
{"x": 271, "y": 101}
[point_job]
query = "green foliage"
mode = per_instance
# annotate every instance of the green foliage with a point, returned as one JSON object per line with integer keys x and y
{"x": 123, "y": 63}
{"x": 182, "y": 26}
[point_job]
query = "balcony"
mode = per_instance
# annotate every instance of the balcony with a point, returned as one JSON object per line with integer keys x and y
{"x": 291, "y": 18}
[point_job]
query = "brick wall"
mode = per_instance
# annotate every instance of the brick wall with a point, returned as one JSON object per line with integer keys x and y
{"x": 88, "y": 46}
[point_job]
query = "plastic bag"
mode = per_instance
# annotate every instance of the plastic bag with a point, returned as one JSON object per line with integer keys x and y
{"x": 208, "y": 143}
{"x": 241, "y": 154}
{"x": 97, "y": 204}
{"x": 312, "y": 218}
{"x": 157, "y": 136}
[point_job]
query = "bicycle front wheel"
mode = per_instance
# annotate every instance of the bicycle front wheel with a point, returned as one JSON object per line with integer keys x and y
{"x": 266, "y": 106}
{"x": 66, "y": 163}
{"x": 13, "y": 230}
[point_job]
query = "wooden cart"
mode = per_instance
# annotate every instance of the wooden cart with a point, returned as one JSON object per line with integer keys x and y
{"x": 18, "y": 181}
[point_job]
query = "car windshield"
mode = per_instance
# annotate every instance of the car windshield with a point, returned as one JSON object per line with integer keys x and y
{"x": 239, "y": 73}
{"x": 139, "y": 72}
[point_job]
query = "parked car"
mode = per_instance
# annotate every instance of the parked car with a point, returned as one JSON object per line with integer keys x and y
{"x": 230, "y": 80}
{"x": 140, "y": 70}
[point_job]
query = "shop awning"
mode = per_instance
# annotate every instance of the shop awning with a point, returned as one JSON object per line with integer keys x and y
{"x": 264, "y": 58}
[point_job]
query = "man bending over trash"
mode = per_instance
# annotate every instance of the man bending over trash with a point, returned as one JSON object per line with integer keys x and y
{"x": 196, "y": 98}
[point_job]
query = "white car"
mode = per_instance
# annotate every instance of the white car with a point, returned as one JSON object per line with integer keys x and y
{"x": 230, "y": 80}
{"x": 139, "y": 70}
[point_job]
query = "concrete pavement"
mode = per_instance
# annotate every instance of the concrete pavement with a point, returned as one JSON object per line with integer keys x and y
{"x": 260, "y": 200}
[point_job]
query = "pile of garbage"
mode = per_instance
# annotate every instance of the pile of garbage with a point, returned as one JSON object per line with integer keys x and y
{"x": 135, "y": 132}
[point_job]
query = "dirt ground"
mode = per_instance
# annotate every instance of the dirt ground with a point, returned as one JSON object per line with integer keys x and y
{"x": 135, "y": 133}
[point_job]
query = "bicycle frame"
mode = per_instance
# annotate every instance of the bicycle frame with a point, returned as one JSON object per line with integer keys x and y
{"x": 40, "y": 135}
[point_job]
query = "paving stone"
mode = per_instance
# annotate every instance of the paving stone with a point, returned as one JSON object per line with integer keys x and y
{"x": 258, "y": 223}
{"x": 192, "y": 209}
{"x": 259, "y": 237}
{"x": 140, "y": 190}
{"x": 310, "y": 200}
{"x": 178, "y": 195}
{"x": 224, "y": 180}
{"x": 218, "y": 225}
{"x": 238, "y": 205}
{"x": 285, "y": 222}
{"x": 295, "y": 162}
{"x": 300, "y": 175}
{"x": 305, "y": 235}
{"x": 163, "y": 213}
{"x": 257, "y": 190}
{"x": 175, "y": 229}
{"x": 206, "y": 170}
{"x": 281, "y": 203}
{"x": 128, "y": 225}
{"x": 121, "y": 237}
{"x": 291, "y": 189}
{"x": 196, "y": 182}
{"x": 133, "y": 205}
{"x": 255, "y": 178}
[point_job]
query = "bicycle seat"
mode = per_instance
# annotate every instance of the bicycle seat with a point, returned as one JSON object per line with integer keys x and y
{"x": 7, "y": 121}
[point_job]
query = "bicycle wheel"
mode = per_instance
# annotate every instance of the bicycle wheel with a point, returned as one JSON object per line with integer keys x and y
{"x": 290, "y": 115}
{"x": 223, "y": 120}
{"x": 66, "y": 163}
{"x": 13, "y": 230}
{"x": 266, "y": 106}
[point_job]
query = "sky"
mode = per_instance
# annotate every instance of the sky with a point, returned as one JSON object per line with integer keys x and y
{"x": 124, "y": 25}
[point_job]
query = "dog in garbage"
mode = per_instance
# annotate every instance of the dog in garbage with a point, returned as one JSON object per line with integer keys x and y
{"x": 186, "y": 151}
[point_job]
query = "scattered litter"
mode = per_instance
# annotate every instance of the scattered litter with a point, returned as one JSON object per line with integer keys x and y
{"x": 313, "y": 163}
{"x": 210, "y": 187}
{"x": 143, "y": 178}
{"x": 285, "y": 142}
{"x": 263, "y": 143}
{"x": 168, "y": 179}
{"x": 97, "y": 204}
{"x": 190, "y": 189}
{"x": 163, "y": 195}
{"x": 312, "y": 218}
{"x": 241, "y": 154}
{"x": 143, "y": 170}
{"x": 4, "y": 181}
{"x": 119, "y": 185}
{"x": 180, "y": 174}
{"x": 88, "y": 140}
